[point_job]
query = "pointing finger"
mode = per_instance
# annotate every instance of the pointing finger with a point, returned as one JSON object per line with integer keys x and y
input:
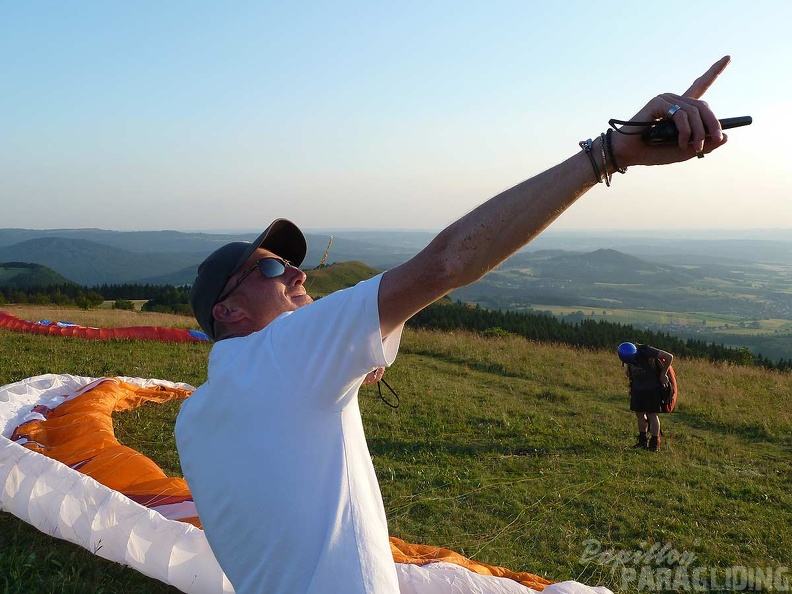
{"x": 704, "y": 82}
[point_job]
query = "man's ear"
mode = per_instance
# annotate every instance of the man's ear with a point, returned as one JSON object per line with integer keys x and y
{"x": 227, "y": 313}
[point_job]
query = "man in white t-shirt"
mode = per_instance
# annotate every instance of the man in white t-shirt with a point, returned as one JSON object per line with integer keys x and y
{"x": 272, "y": 445}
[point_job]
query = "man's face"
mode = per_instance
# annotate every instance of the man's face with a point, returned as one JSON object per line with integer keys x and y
{"x": 264, "y": 299}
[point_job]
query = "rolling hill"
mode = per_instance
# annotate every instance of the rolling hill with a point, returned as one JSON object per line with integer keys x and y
{"x": 91, "y": 263}
{"x": 22, "y": 275}
{"x": 328, "y": 279}
{"x": 94, "y": 256}
{"x": 610, "y": 279}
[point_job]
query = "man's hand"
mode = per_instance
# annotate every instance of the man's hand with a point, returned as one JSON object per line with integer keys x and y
{"x": 374, "y": 376}
{"x": 694, "y": 119}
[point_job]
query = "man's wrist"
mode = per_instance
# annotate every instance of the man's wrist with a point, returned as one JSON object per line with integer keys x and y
{"x": 602, "y": 157}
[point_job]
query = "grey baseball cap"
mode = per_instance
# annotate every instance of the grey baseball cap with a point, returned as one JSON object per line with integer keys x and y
{"x": 282, "y": 237}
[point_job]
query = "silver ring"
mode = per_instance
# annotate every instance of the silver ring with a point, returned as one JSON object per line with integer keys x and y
{"x": 671, "y": 111}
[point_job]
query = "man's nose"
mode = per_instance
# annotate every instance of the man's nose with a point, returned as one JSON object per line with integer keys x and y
{"x": 295, "y": 275}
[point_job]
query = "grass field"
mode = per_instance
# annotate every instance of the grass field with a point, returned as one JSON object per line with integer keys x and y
{"x": 511, "y": 452}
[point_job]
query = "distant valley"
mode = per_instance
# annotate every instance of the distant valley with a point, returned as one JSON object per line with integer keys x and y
{"x": 610, "y": 279}
{"x": 745, "y": 280}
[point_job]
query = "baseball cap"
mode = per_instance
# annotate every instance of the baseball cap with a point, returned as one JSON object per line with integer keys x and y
{"x": 282, "y": 238}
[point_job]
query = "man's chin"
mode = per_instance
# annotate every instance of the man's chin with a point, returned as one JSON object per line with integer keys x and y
{"x": 301, "y": 300}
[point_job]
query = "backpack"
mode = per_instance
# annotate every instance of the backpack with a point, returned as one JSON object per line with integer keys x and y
{"x": 668, "y": 391}
{"x": 653, "y": 382}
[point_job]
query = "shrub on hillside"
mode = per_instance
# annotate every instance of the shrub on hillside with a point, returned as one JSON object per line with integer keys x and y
{"x": 89, "y": 300}
{"x": 495, "y": 331}
{"x": 123, "y": 304}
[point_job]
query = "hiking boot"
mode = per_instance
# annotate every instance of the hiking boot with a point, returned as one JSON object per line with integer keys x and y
{"x": 642, "y": 441}
{"x": 654, "y": 444}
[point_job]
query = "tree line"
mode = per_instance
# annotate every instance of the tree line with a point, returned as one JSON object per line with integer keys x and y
{"x": 542, "y": 327}
{"x": 158, "y": 298}
{"x": 594, "y": 334}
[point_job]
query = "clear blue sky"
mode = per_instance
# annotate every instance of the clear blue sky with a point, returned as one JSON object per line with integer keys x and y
{"x": 209, "y": 115}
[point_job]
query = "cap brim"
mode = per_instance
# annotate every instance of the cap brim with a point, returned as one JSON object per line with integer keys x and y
{"x": 284, "y": 239}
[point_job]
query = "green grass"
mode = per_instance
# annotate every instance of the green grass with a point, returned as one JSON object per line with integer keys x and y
{"x": 511, "y": 452}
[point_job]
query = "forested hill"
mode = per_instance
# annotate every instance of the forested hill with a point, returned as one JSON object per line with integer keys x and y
{"x": 23, "y": 275}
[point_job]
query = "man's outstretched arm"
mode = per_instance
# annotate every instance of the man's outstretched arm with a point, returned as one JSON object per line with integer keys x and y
{"x": 480, "y": 240}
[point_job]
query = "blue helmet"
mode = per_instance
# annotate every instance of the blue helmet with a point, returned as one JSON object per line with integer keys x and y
{"x": 627, "y": 352}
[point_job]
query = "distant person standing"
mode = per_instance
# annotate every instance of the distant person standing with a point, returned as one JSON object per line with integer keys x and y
{"x": 647, "y": 369}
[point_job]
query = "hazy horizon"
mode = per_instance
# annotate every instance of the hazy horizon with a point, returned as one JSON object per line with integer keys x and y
{"x": 769, "y": 233}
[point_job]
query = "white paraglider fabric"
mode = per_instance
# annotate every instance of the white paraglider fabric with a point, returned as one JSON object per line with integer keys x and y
{"x": 69, "y": 505}
{"x": 447, "y": 578}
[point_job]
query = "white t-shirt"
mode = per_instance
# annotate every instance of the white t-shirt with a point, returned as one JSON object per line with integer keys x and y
{"x": 272, "y": 447}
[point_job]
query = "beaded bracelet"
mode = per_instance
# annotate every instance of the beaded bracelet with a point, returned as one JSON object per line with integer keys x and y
{"x": 609, "y": 146}
{"x": 604, "y": 160}
{"x": 586, "y": 145}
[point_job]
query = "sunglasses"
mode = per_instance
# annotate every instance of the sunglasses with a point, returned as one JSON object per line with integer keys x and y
{"x": 269, "y": 267}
